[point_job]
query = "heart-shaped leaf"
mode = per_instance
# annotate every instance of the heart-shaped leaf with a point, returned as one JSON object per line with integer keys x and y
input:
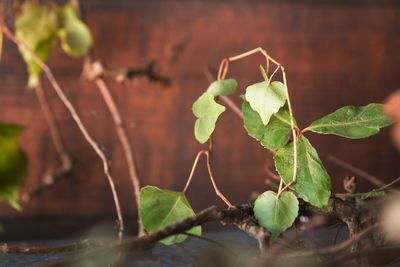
{"x": 313, "y": 183}
{"x": 273, "y": 135}
{"x": 159, "y": 208}
{"x": 276, "y": 214}
{"x": 36, "y": 26}
{"x": 76, "y": 39}
{"x": 266, "y": 99}
{"x": 13, "y": 164}
{"x": 353, "y": 122}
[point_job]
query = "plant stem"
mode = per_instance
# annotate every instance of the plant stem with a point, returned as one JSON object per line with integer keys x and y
{"x": 76, "y": 118}
{"x": 50, "y": 178}
{"x": 223, "y": 70}
{"x": 123, "y": 138}
{"x": 218, "y": 192}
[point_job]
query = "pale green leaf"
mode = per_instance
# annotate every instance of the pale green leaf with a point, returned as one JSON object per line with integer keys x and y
{"x": 76, "y": 39}
{"x": 36, "y": 26}
{"x": 266, "y": 99}
{"x": 222, "y": 87}
{"x": 13, "y": 164}
{"x": 207, "y": 110}
{"x": 273, "y": 135}
{"x": 159, "y": 208}
{"x": 276, "y": 214}
{"x": 353, "y": 122}
{"x": 313, "y": 183}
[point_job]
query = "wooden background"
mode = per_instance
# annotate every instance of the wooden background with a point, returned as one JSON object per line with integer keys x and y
{"x": 335, "y": 52}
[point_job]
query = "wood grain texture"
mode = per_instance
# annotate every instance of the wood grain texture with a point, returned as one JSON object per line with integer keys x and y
{"x": 335, "y": 54}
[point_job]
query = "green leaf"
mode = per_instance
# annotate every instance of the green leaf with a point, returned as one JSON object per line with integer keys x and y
{"x": 313, "y": 183}
{"x": 13, "y": 164}
{"x": 276, "y": 214}
{"x": 76, "y": 39}
{"x": 207, "y": 111}
{"x": 266, "y": 99}
{"x": 222, "y": 87}
{"x": 36, "y": 26}
{"x": 159, "y": 208}
{"x": 353, "y": 122}
{"x": 273, "y": 135}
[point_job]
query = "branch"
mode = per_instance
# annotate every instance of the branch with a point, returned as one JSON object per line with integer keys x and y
{"x": 50, "y": 178}
{"x": 74, "y": 115}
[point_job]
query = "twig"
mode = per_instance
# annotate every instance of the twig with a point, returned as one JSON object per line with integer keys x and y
{"x": 341, "y": 246}
{"x": 76, "y": 118}
{"x": 5, "y": 248}
{"x": 218, "y": 192}
{"x": 361, "y": 173}
{"x": 95, "y": 71}
{"x": 123, "y": 138}
{"x": 50, "y": 178}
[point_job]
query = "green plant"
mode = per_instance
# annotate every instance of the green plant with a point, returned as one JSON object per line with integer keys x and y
{"x": 268, "y": 118}
{"x": 13, "y": 163}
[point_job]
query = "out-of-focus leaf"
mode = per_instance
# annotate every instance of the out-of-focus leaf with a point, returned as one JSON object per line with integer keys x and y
{"x": 266, "y": 99}
{"x": 13, "y": 163}
{"x": 36, "y": 26}
{"x": 76, "y": 39}
{"x": 353, "y": 122}
{"x": 276, "y": 214}
{"x": 313, "y": 183}
{"x": 159, "y": 208}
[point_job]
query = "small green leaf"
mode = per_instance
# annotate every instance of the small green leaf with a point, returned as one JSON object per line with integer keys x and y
{"x": 159, "y": 208}
{"x": 76, "y": 39}
{"x": 266, "y": 99}
{"x": 276, "y": 214}
{"x": 13, "y": 164}
{"x": 222, "y": 87}
{"x": 353, "y": 122}
{"x": 36, "y": 26}
{"x": 263, "y": 72}
{"x": 313, "y": 183}
{"x": 273, "y": 135}
{"x": 207, "y": 111}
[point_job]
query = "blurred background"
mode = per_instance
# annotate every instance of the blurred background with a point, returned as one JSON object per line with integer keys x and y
{"x": 335, "y": 53}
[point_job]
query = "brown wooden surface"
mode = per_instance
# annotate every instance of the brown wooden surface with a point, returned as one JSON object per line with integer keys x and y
{"x": 335, "y": 54}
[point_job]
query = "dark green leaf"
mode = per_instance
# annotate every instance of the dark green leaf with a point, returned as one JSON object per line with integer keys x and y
{"x": 160, "y": 208}
{"x": 13, "y": 164}
{"x": 207, "y": 111}
{"x": 36, "y": 26}
{"x": 266, "y": 99}
{"x": 313, "y": 183}
{"x": 222, "y": 87}
{"x": 273, "y": 135}
{"x": 76, "y": 39}
{"x": 353, "y": 122}
{"x": 276, "y": 214}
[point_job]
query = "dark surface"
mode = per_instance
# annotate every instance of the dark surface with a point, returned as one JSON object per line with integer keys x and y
{"x": 234, "y": 248}
{"x": 335, "y": 54}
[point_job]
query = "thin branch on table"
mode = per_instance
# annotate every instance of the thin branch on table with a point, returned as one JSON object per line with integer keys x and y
{"x": 76, "y": 118}
{"x": 361, "y": 173}
{"x": 50, "y": 178}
